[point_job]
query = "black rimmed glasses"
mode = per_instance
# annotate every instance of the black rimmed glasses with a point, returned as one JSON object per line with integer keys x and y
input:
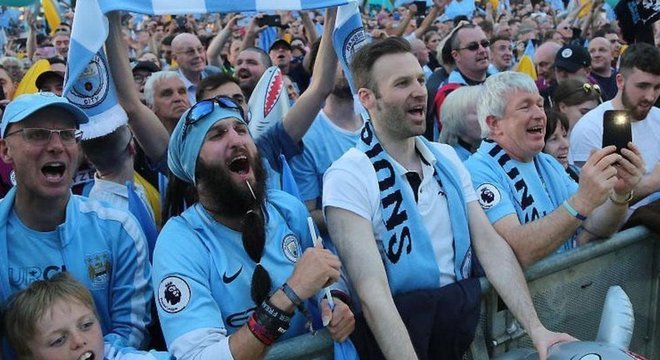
{"x": 39, "y": 136}
{"x": 205, "y": 107}
{"x": 474, "y": 46}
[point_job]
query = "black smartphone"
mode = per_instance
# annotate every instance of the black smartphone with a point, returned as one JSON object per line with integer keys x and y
{"x": 617, "y": 129}
{"x": 270, "y": 20}
{"x": 421, "y": 8}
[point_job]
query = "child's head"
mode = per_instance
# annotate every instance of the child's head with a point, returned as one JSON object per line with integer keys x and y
{"x": 54, "y": 319}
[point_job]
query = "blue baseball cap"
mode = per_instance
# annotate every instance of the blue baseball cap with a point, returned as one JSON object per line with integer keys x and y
{"x": 27, "y": 104}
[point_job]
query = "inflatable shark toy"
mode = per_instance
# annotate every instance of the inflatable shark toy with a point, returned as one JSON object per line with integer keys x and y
{"x": 269, "y": 102}
{"x": 614, "y": 335}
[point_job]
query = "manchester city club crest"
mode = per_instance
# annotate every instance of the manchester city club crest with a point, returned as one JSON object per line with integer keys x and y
{"x": 354, "y": 41}
{"x": 92, "y": 86}
{"x": 291, "y": 248}
{"x": 173, "y": 294}
{"x": 99, "y": 269}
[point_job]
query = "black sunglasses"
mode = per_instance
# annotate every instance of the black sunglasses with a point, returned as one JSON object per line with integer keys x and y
{"x": 205, "y": 107}
{"x": 474, "y": 46}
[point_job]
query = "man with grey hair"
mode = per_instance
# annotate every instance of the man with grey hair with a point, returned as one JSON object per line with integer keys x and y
{"x": 526, "y": 193}
{"x": 166, "y": 95}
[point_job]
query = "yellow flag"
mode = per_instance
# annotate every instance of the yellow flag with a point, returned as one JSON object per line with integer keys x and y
{"x": 27, "y": 84}
{"x": 51, "y": 13}
{"x": 526, "y": 66}
{"x": 586, "y": 9}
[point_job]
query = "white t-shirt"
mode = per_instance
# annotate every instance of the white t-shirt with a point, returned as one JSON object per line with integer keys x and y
{"x": 587, "y": 135}
{"x": 351, "y": 183}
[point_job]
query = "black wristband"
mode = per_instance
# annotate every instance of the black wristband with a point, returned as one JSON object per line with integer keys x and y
{"x": 275, "y": 320}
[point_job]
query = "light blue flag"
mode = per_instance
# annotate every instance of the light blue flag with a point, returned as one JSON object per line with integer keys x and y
{"x": 348, "y": 37}
{"x": 94, "y": 92}
{"x": 90, "y": 29}
{"x": 529, "y": 49}
{"x": 267, "y": 38}
{"x": 288, "y": 181}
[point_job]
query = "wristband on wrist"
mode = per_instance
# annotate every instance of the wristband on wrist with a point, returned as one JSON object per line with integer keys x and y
{"x": 571, "y": 210}
{"x": 624, "y": 202}
{"x": 295, "y": 299}
{"x": 259, "y": 331}
{"x": 267, "y": 323}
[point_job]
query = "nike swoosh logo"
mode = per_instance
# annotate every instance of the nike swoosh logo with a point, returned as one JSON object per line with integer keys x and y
{"x": 227, "y": 279}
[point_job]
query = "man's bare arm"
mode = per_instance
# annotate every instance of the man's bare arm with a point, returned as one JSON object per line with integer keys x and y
{"x": 504, "y": 273}
{"x": 147, "y": 128}
{"x": 298, "y": 120}
{"x": 597, "y": 180}
{"x": 355, "y": 243}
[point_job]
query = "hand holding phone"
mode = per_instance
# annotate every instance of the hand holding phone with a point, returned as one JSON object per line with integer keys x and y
{"x": 270, "y": 20}
{"x": 421, "y": 8}
{"x": 617, "y": 129}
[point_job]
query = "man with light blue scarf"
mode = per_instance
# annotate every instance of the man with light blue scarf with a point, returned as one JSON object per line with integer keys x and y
{"x": 45, "y": 229}
{"x": 528, "y": 197}
{"x": 233, "y": 267}
{"x": 387, "y": 204}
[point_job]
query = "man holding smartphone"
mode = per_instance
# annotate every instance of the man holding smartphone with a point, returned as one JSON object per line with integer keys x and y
{"x": 526, "y": 193}
{"x": 638, "y": 84}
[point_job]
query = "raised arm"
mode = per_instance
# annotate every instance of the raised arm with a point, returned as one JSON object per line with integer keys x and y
{"x": 355, "y": 243}
{"x": 503, "y": 271}
{"x": 437, "y": 9}
{"x": 401, "y": 29}
{"x": 147, "y": 128}
{"x": 218, "y": 42}
{"x": 31, "y": 43}
{"x": 308, "y": 25}
{"x": 298, "y": 120}
{"x": 251, "y": 33}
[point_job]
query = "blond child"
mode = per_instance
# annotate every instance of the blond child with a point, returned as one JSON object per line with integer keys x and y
{"x": 56, "y": 319}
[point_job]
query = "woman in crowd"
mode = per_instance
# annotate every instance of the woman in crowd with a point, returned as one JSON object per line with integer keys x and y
{"x": 575, "y": 97}
{"x": 460, "y": 127}
{"x": 556, "y": 141}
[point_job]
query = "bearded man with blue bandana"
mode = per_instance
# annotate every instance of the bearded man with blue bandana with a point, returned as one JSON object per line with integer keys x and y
{"x": 233, "y": 267}
{"x": 405, "y": 220}
{"x": 528, "y": 197}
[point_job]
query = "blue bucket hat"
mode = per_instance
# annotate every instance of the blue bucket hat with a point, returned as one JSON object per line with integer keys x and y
{"x": 187, "y": 139}
{"x": 27, "y": 104}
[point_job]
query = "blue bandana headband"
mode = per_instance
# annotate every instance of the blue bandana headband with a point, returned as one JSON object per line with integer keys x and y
{"x": 187, "y": 140}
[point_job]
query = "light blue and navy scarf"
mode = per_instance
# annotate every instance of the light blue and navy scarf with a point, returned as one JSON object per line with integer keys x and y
{"x": 407, "y": 250}
{"x": 536, "y": 187}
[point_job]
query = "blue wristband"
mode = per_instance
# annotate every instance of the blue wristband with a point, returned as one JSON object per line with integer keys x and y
{"x": 571, "y": 210}
{"x": 293, "y": 297}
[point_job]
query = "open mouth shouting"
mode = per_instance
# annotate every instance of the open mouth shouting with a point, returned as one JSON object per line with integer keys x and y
{"x": 53, "y": 171}
{"x": 417, "y": 111}
{"x": 239, "y": 164}
{"x": 88, "y": 355}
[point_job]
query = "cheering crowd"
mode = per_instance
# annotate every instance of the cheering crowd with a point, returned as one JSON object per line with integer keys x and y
{"x": 462, "y": 140}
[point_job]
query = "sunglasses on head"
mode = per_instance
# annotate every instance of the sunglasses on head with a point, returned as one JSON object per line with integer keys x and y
{"x": 205, "y": 107}
{"x": 474, "y": 46}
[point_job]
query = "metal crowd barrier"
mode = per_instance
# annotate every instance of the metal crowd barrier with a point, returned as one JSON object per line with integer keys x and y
{"x": 568, "y": 291}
